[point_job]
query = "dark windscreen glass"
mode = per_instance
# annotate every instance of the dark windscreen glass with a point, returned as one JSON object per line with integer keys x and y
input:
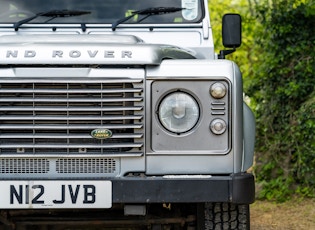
{"x": 101, "y": 11}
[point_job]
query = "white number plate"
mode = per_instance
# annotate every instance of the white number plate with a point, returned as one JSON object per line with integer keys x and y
{"x": 55, "y": 194}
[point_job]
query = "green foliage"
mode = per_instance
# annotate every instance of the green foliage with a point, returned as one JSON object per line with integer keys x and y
{"x": 305, "y": 153}
{"x": 276, "y": 189}
{"x": 278, "y": 65}
{"x": 245, "y": 55}
{"x": 282, "y": 90}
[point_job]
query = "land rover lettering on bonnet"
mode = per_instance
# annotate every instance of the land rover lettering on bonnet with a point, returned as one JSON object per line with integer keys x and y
{"x": 70, "y": 54}
{"x": 120, "y": 114}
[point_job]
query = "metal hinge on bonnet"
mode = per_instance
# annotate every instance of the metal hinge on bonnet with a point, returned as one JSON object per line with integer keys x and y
{"x": 205, "y": 28}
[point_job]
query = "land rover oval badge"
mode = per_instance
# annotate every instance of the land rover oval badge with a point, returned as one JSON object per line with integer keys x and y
{"x": 101, "y": 133}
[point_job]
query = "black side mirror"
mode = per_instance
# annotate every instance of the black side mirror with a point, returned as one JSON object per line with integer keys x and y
{"x": 231, "y": 33}
{"x": 232, "y": 30}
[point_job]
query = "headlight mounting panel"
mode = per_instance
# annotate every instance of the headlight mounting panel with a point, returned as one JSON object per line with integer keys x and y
{"x": 173, "y": 101}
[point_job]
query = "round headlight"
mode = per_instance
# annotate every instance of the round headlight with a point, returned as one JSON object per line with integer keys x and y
{"x": 218, "y": 90}
{"x": 178, "y": 112}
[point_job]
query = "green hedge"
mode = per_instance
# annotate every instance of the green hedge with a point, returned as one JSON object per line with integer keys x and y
{"x": 283, "y": 98}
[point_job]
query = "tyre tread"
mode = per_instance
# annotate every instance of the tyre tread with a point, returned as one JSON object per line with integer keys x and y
{"x": 226, "y": 216}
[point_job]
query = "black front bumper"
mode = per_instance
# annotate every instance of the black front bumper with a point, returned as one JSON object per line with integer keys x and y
{"x": 235, "y": 188}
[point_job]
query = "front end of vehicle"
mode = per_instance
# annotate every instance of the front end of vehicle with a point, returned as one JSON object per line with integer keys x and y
{"x": 97, "y": 118}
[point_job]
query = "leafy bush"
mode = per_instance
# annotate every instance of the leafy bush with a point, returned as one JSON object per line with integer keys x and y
{"x": 282, "y": 92}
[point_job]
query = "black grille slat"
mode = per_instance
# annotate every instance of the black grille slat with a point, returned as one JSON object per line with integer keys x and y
{"x": 53, "y": 108}
{"x": 57, "y": 126}
{"x": 48, "y": 100}
{"x": 72, "y": 118}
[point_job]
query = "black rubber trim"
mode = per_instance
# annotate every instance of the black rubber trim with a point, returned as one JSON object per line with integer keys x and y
{"x": 236, "y": 188}
{"x": 243, "y": 188}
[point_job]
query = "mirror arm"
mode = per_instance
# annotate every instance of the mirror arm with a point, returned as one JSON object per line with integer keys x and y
{"x": 223, "y": 53}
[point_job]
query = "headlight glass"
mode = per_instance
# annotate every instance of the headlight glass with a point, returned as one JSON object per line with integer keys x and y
{"x": 178, "y": 112}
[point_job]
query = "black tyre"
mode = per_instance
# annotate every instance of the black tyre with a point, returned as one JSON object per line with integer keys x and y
{"x": 226, "y": 216}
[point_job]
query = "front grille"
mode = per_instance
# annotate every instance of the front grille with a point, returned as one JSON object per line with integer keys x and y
{"x": 58, "y": 167}
{"x": 86, "y": 165}
{"x": 25, "y": 166}
{"x": 54, "y": 116}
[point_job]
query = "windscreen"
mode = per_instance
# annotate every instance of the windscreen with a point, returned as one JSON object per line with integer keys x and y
{"x": 101, "y": 11}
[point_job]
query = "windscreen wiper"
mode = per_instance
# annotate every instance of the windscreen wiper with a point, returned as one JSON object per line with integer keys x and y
{"x": 52, "y": 14}
{"x": 147, "y": 12}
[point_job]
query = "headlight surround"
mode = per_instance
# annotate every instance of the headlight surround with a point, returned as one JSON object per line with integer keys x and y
{"x": 178, "y": 112}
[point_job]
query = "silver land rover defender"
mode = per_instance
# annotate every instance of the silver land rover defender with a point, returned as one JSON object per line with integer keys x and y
{"x": 119, "y": 113}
